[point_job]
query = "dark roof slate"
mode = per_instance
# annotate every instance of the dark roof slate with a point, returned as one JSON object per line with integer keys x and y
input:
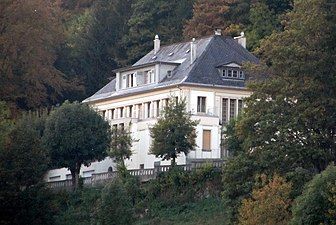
{"x": 211, "y": 52}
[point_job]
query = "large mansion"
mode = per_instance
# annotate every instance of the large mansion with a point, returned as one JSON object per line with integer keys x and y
{"x": 206, "y": 72}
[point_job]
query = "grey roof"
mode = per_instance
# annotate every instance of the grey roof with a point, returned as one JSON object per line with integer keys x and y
{"x": 211, "y": 52}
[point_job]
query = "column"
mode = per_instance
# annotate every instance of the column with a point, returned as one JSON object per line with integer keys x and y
{"x": 151, "y": 113}
{"x": 236, "y": 106}
{"x": 155, "y": 107}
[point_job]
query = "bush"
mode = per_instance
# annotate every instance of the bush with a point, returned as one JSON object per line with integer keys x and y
{"x": 269, "y": 205}
{"x": 115, "y": 206}
{"x": 317, "y": 203}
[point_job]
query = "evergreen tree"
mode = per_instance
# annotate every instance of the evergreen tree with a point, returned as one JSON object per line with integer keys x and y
{"x": 151, "y": 17}
{"x": 76, "y": 135}
{"x": 262, "y": 23}
{"x": 174, "y": 132}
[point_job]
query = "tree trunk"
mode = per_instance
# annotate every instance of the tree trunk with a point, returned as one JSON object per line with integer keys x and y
{"x": 75, "y": 176}
{"x": 173, "y": 163}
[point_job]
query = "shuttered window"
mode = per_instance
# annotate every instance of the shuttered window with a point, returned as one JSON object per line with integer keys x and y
{"x": 206, "y": 140}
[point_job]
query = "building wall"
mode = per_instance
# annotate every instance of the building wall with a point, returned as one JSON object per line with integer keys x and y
{"x": 139, "y": 124}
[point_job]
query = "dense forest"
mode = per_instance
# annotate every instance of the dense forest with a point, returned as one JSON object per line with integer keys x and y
{"x": 67, "y": 49}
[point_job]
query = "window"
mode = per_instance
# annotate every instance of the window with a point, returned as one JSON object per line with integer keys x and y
{"x": 232, "y": 108}
{"x": 122, "y": 126}
{"x": 148, "y": 110}
{"x": 233, "y": 73}
{"x": 130, "y": 111}
{"x": 206, "y": 140}
{"x": 112, "y": 114}
{"x": 121, "y": 112}
{"x": 157, "y": 108}
{"x": 240, "y": 105}
{"x": 103, "y": 114}
{"x": 224, "y": 110}
{"x": 142, "y": 166}
{"x": 201, "y": 107}
{"x": 139, "y": 111}
{"x": 150, "y": 77}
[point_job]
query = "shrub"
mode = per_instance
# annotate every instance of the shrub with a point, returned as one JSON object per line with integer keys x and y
{"x": 269, "y": 205}
{"x": 317, "y": 204}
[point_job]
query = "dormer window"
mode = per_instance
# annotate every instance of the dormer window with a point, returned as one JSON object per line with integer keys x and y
{"x": 232, "y": 73}
{"x": 149, "y": 77}
{"x": 128, "y": 80}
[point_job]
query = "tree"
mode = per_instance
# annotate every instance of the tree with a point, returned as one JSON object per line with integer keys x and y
{"x": 174, "y": 132}
{"x": 165, "y": 18}
{"x": 316, "y": 204}
{"x": 93, "y": 43}
{"x": 76, "y": 135}
{"x": 289, "y": 121}
{"x": 228, "y": 15}
{"x": 23, "y": 164}
{"x": 115, "y": 206}
{"x": 269, "y": 205}
{"x": 121, "y": 145}
{"x": 29, "y": 37}
{"x": 262, "y": 23}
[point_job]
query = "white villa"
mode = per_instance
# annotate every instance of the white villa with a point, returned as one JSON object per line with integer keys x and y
{"x": 207, "y": 72}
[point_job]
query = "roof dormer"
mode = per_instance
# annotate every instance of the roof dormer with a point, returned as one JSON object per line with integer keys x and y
{"x": 231, "y": 71}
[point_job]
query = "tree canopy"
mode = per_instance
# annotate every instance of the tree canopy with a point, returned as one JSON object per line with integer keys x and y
{"x": 317, "y": 205}
{"x": 269, "y": 205}
{"x": 121, "y": 144}
{"x": 174, "y": 132}
{"x": 76, "y": 135}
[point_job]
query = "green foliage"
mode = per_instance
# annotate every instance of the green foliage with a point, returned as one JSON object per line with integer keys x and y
{"x": 121, "y": 143}
{"x": 317, "y": 202}
{"x": 93, "y": 47}
{"x": 209, "y": 211}
{"x": 151, "y": 17}
{"x": 76, "y": 208}
{"x": 269, "y": 205}
{"x": 23, "y": 163}
{"x": 231, "y": 140}
{"x": 174, "y": 133}
{"x": 76, "y": 135}
{"x": 115, "y": 205}
{"x": 262, "y": 23}
{"x": 289, "y": 121}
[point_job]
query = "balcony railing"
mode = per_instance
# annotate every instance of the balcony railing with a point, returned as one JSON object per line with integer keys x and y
{"x": 143, "y": 174}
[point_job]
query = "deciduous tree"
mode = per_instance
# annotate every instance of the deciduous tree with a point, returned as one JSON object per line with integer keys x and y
{"x": 121, "y": 144}
{"x": 29, "y": 36}
{"x": 316, "y": 205}
{"x": 269, "y": 205}
{"x": 76, "y": 135}
{"x": 174, "y": 133}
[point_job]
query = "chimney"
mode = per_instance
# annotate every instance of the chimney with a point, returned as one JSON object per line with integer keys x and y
{"x": 241, "y": 39}
{"x": 218, "y": 31}
{"x": 156, "y": 44}
{"x": 192, "y": 51}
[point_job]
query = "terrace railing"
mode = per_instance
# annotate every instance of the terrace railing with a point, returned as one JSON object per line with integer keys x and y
{"x": 143, "y": 174}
